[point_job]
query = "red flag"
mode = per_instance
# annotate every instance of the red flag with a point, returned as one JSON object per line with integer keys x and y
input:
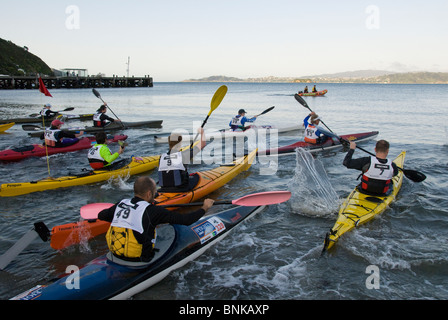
{"x": 43, "y": 89}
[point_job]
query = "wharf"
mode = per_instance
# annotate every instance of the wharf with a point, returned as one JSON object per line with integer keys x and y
{"x": 24, "y": 82}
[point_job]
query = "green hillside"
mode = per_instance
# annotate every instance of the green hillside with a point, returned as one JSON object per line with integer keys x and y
{"x": 17, "y": 61}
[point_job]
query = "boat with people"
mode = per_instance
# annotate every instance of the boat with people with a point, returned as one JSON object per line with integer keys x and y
{"x": 176, "y": 245}
{"x": 40, "y": 150}
{"x": 360, "y": 207}
{"x": 228, "y": 133}
{"x": 313, "y": 94}
{"x": 207, "y": 182}
{"x": 330, "y": 144}
{"x": 112, "y": 126}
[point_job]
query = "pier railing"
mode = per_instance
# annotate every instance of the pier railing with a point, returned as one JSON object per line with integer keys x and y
{"x": 24, "y": 82}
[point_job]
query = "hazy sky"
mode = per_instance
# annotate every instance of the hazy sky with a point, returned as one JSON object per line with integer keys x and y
{"x": 177, "y": 40}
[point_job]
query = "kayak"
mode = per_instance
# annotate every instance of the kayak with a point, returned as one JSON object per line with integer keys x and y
{"x": 227, "y": 133}
{"x": 102, "y": 278}
{"x": 314, "y": 94}
{"x": 39, "y": 150}
{"x": 6, "y": 126}
{"x": 137, "y": 165}
{"x": 209, "y": 181}
{"x": 359, "y": 207}
{"x": 330, "y": 144}
{"x": 110, "y": 127}
{"x": 38, "y": 119}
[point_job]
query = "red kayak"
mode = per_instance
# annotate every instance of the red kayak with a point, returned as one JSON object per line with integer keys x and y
{"x": 331, "y": 143}
{"x": 39, "y": 150}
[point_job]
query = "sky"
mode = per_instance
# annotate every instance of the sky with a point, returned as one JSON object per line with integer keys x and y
{"x": 176, "y": 40}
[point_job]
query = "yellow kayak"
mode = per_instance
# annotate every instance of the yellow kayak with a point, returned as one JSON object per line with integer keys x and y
{"x": 6, "y": 126}
{"x": 359, "y": 208}
{"x": 136, "y": 166}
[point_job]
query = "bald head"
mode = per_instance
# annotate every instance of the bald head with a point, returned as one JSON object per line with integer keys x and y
{"x": 145, "y": 188}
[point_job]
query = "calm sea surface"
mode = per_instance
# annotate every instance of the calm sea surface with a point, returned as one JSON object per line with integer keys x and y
{"x": 276, "y": 254}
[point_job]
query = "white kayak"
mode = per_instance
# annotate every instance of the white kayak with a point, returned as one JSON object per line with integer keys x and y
{"x": 228, "y": 133}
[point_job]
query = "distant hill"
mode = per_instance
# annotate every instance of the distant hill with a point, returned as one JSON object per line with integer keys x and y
{"x": 360, "y": 76}
{"x": 17, "y": 61}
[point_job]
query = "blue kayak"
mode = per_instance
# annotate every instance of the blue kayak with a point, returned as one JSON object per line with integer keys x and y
{"x": 107, "y": 278}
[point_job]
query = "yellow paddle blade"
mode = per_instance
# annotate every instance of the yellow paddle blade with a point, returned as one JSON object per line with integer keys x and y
{"x": 217, "y": 98}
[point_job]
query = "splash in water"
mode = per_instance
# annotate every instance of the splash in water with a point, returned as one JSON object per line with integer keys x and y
{"x": 312, "y": 192}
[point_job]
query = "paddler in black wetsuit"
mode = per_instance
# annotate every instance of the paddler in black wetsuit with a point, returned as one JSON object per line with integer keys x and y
{"x": 377, "y": 172}
{"x": 131, "y": 236}
{"x": 100, "y": 119}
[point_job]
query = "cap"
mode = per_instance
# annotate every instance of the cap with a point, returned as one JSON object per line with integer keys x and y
{"x": 56, "y": 123}
{"x": 241, "y": 111}
{"x": 48, "y": 105}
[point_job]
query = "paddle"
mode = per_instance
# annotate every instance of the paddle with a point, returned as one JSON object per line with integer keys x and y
{"x": 413, "y": 175}
{"x": 39, "y": 230}
{"x": 265, "y": 111}
{"x": 66, "y": 109}
{"x": 216, "y": 101}
{"x": 97, "y": 94}
{"x": 90, "y": 211}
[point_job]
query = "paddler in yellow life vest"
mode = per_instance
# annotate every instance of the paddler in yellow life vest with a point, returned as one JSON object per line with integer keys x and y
{"x": 377, "y": 172}
{"x": 132, "y": 234}
{"x": 100, "y": 156}
{"x": 56, "y": 138}
{"x": 314, "y": 89}
{"x": 173, "y": 169}
{"x": 312, "y": 133}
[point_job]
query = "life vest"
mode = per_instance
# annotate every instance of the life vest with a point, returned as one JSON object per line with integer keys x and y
{"x": 378, "y": 178}
{"x": 120, "y": 236}
{"x": 50, "y": 137}
{"x": 96, "y": 161}
{"x": 310, "y": 134}
{"x": 97, "y": 122}
{"x": 172, "y": 171}
{"x": 43, "y": 112}
{"x": 236, "y": 123}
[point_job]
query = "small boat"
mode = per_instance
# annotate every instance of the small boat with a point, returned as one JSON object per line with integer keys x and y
{"x": 38, "y": 119}
{"x": 6, "y": 126}
{"x": 227, "y": 133}
{"x": 102, "y": 278}
{"x": 39, "y": 150}
{"x": 313, "y": 94}
{"x": 360, "y": 207}
{"x": 330, "y": 144}
{"x": 113, "y": 126}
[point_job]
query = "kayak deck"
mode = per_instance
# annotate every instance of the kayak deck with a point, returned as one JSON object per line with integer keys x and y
{"x": 359, "y": 207}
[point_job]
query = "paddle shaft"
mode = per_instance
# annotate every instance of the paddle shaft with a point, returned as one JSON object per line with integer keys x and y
{"x": 97, "y": 94}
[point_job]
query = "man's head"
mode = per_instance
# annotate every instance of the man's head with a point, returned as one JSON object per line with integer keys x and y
{"x": 242, "y": 112}
{"x": 174, "y": 139}
{"x": 101, "y": 137}
{"x": 382, "y": 146}
{"x": 56, "y": 123}
{"x": 145, "y": 188}
{"x": 103, "y": 108}
{"x": 315, "y": 119}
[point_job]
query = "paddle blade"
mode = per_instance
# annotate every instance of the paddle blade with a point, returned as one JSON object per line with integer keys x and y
{"x": 96, "y": 93}
{"x": 263, "y": 198}
{"x": 266, "y": 111}
{"x": 90, "y": 211}
{"x": 217, "y": 98}
{"x": 301, "y": 101}
{"x": 413, "y": 175}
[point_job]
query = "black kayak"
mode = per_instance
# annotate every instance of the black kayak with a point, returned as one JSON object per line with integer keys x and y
{"x": 102, "y": 278}
{"x": 113, "y": 126}
{"x": 38, "y": 119}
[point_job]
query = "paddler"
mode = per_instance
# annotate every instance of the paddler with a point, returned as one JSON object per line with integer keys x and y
{"x": 314, "y": 89}
{"x": 55, "y": 137}
{"x": 173, "y": 169}
{"x": 312, "y": 133}
{"x": 100, "y": 156}
{"x": 47, "y": 113}
{"x": 100, "y": 119}
{"x": 132, "y": 234}
{"x": 238, "y": 122}
{"x": 377, "y": 172}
